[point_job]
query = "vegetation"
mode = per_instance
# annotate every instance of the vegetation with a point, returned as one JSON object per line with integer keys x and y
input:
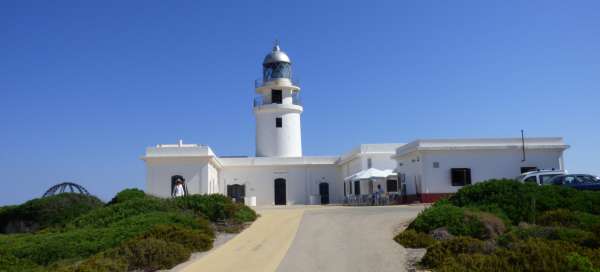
{"x": 52, "y": 211}
{"x": 503, "y": 225}
{"x": 133, "y": 231}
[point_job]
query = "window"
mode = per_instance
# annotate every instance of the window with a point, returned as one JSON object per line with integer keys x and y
{"x": 436, "y": 165}
{"x": 357, "y": 188}
{"x": 369, "y": 163}
{"x": 532, "y": 179}
{"x": 545, "y": 179}
{"x": 391, "y": 185}
{"x": 528, "y": 169}
{"x": 571, "y": 180}
{"x": 278, "y": 122}
{"x": 461, "y": 176}
{"x": 350, "y": 187}
{"x": 276, "y": 96}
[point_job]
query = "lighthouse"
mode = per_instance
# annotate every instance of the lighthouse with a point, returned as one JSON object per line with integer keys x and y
{"x": 277, "y": 108}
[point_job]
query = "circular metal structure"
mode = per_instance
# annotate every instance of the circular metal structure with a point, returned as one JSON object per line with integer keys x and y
{"x": 276, "y": 56}
{"x": 66, "y": 187}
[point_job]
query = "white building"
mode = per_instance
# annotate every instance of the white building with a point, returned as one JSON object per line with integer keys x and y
{"x": 279, "y": 174}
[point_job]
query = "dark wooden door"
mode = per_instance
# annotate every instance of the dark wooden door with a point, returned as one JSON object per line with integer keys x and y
{"x": 280, "y": 198}
{"x": 237, "y": 192}
{"x": 324, "y": 192}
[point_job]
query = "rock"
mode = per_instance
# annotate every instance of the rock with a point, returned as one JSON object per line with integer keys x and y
{"x": 441, "y": 234}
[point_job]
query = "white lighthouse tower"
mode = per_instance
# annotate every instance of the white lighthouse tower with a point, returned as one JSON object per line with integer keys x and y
{"x": 277, "y": 108}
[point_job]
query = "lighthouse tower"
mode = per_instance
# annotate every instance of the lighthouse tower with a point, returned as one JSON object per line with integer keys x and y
{"x": 277, "y": 108}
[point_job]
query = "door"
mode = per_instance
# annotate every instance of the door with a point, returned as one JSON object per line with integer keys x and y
{"x": 237, "y": 192}
{"x": 280, "y": 192}
{"x": 324, "y": 192}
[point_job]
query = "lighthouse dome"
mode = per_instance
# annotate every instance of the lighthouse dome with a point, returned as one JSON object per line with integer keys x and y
{"x": 277, "y": 65}
{"x": 276, "y": 56}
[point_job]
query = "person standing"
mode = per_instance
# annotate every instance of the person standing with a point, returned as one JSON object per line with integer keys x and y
{"x": 179, "y": 191}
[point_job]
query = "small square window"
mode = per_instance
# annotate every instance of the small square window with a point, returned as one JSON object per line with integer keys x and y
{"x": 436, "y": 165}
{"x": 278, "y": 122}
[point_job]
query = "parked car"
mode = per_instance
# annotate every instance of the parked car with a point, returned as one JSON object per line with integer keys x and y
{"x": 540, "y": 177}
{"x": 577, "y": 181}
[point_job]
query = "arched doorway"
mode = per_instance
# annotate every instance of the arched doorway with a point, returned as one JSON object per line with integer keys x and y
{"x": 174, "y": 180}
{"x": 324, "y": 192}
{"x": 280, "y": 194}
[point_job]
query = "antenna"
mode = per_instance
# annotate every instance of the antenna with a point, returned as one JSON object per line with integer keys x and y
{"x": 523, "y": 143}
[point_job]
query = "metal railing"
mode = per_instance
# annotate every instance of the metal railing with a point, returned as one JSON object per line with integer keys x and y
{"x": 264, "y": 100}
{"x": 371, "y": 200}
{"x": 259, "y": 82}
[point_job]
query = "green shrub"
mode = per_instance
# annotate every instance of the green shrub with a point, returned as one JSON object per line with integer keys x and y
{"x": 439, "y": 253}
{"x": 96, "y": 263}
{"x": 458, "y": 221}
{"x": 110, "y": 214}
{"x": 571, "y": 235}
{"x": 522, "y": 202}
{"x": 45, "y": 248}
{"x": 437, "y": 216}
{"x": 567, "y": 218}
{"x": 52, "y": 211}
{"x": 514, "y": 198}
{"x": 476, "y": 263}
{"x": 126, "y": 195}
{"x": 216, "y": 206}
{"x": 152, "y": 254}
{"x": 576, "y": 262}
{"x": 412, "y": 239}
{"x": 10, "y": 263}
{"x": 195, "y": 240}
{"x": 244, "y": 213}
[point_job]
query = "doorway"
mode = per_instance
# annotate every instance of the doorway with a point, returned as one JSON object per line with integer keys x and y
{"x": 280, "y": 193}
{"x": 324, "y": 192}
{"x": 236, "y": 192}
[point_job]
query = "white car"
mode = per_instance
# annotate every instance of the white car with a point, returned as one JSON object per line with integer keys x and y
{"x": 540, "y": 177}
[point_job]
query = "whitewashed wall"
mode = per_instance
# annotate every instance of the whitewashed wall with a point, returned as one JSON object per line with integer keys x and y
{"x": 301, "y": 181}
{"x": 484, "y": 165}
{"x": 411, "y": 168}
{"x": 160, "y": 171}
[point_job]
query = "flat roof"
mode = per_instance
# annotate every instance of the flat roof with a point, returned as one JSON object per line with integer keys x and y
{"x": 482, "y": 144}
{"x": 274, "y": 161}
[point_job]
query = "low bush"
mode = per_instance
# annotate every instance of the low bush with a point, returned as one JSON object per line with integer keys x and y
{"x": 216, "y": 207}
{"x": 152, "y": 254}
{"x": 126, "y": 195}
{"x": 10, "y": 263}
{"x": 576, "y": 262}
{"x": 96, "y": 263}
{"x": 52, "y": 211}
{"x": 522, "y": 202}
{"x": 133, "y": 232}
{"x": 244, "y": 213}
{"x": 195, "y": 240}
{"x": 436, "y": 216}
{"x": 571, "y": 235}
{"x": 45, "y": 248}
{"x": 458, "y": 221}
{"x": 438, "y": 253}
{"x": 413, "y": 239}
{"x": 110, "y": 214}
{"x": 567, "y": 218}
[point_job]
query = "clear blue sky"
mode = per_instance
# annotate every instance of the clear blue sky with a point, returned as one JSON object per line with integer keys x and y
{"x": 87, "y": 85}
